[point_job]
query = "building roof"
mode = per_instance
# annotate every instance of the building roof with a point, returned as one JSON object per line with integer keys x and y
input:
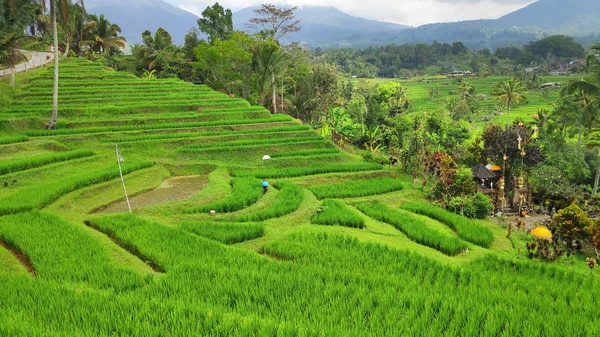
{"x": 481, "y": 172}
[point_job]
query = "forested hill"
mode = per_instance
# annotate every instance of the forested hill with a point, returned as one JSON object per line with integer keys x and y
{"x": 581, "y": 15}
{"x": 136, "y": 16}
{"x": 330, "y": 27}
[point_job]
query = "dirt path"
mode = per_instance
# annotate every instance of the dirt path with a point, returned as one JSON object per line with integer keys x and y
{"x": 172, "y": 189}
{"x": 16, "y": 252}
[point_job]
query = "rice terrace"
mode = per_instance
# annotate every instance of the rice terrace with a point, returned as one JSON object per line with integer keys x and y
{"x": 224, "y": 205}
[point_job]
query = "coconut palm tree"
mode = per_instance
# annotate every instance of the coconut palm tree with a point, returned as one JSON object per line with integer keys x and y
{"x": 269, "y": 60}
{"x": 15, "y": 15}
{"x": 102, "y": 36}
{"x": 510, "y": 93}
{"x": 158, "y": 50}
{"x": 52, "y": 124}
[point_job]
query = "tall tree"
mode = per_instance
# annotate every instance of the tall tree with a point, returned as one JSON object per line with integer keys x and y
{"x": 15, "y": 15}
{"x": 269, "y": 60}
{"x": 589, "y": 88}
{"x": 274, "y": 23}
{"x": 102, "y": 36}
{"x": 158, "y": 50}
{"x": 52, "y": 124}
{"x": 216, "y": 22}
{"x": 510, "y": 93}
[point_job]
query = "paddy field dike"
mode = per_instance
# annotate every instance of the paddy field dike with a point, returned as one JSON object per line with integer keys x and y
{"x": 336, "y": 247}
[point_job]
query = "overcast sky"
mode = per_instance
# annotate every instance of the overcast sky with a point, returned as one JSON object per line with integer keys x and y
{"x": 408, "y": 12}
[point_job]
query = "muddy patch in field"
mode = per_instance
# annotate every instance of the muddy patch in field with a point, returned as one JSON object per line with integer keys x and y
{"x": 172, "y": 189}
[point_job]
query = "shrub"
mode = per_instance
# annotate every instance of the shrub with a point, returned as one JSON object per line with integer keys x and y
{"x": 476, "y": 206}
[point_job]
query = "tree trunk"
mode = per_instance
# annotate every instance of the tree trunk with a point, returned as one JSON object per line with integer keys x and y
{"x": 52, "y": 124}
{"x": 13, "y": 72}
{"x": 274, "y": 92}
{"x": 68, "y": 43}
{"x": 597, "y": 180}
{"x": 508, "y": 123}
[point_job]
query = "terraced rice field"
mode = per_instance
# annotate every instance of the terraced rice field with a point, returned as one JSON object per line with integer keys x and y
{"x": 370, "y": 259}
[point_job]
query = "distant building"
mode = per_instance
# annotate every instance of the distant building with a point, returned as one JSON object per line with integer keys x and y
{"x": 458, "y": 74}
{"x": 551, "y": 85}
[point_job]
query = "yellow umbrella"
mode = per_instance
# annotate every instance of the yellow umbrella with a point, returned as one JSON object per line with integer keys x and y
{"x": 542, "y": 232}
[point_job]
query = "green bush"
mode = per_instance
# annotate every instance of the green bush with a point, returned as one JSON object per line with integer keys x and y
{"x": 336, "y": 213}
{"x": 475, "y": 206}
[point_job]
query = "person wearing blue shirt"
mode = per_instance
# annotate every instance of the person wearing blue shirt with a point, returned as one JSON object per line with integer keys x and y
{"x": 265, "y": 185}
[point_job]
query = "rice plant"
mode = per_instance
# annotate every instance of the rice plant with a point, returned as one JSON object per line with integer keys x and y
{"x": 336, "y": 213}
{"x": 288, "y": 201}
{"x": 19, "y": 164}
{"x": 305, "y": 171}
{"x": 43, "y": 194}
{"x": 357, "y": 188}
{"x": 13, "y": 139}
{"x": 225, "y": 232}
{"x": 466, "y": 229}
{"x": 245, "y": 192}
{"x": 414, "y": 228}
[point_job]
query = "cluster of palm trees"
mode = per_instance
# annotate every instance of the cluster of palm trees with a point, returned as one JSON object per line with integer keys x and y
{"x": 31, "y": 24}
{"x": 586, "y": 92}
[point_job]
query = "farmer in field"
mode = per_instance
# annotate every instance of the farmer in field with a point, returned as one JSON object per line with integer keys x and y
{"x": 265, "y": 185}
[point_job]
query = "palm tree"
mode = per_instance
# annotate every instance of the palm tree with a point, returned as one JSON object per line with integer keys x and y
{"x": 71, "y": 16}
{"x": 13, "y": 20}
{"x": 158, "y": 51}
{"x": 52, "y": 124}
{"x": 102, "y": 36}
{"x": 510, "y": 93}
{"x": 465, "y": 88}
{"x": 594, "y": 144}
{"x": 269, "y": 59}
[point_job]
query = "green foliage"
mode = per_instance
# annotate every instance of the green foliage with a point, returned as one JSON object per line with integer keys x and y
{"x": 216, "y": 22}
{"x": 555, "y": 46}
{"x": 12, "y": 139}
{"x": 19, "y": 164}
{"x": 336, "y": 213}
{"x": 62, "y": 252}
{"x": 414, "y": 228}
{"x": 289, "y": 172}
{"x": 475, "y": 206}
{"x": 572, "y": 226}
{"x": 38, "y": 196}
{"x": 245, "y": 192}
{"x": 357, "y": 188}
{"x": 468, "y": 230}
{"x": 289, "y": 199}
{"x": 225, "y": 232}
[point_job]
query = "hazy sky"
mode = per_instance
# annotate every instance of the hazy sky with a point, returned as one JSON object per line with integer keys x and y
{"x": 408, "y": 12}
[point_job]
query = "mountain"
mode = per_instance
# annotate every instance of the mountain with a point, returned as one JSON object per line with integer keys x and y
{"x": 135, "y": 16}
{"x": 328, "y": 26}
{"x": 556, "y": 15}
